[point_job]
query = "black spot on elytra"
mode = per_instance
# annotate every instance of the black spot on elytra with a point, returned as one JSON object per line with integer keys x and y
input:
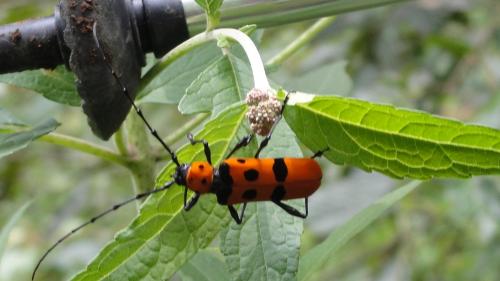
{"x": 251, "y": 175}
{"x": 280, "y": 170}
{"x": 204, "y": 181}
{"x": 278, "y": 193}
{"x": 201, "y": 167}
{"x": 242, "y": 161}
{"x": 249, "y": 194}
{"x": 225, "y": 174}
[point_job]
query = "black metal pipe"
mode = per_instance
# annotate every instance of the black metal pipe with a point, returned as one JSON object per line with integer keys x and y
{"x": 39, "y": 43}
{"x": 166, "y": 25}
{"x": 29, "y": 44}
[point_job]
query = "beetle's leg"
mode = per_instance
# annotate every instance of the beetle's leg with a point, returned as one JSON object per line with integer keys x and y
{"x": 208, "y": 153}
{"x": 234, "y": 213}
{"x": 265, "y": 141}
{"x": 320, "y": 153}
{"x": 278, "y": 195}
{"x": 242, "y": 143}
{"x": 291, "y": 210}
{"x": 192, "y": 201}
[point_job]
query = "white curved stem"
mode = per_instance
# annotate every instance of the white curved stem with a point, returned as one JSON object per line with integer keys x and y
{"x": 258, "y": 71}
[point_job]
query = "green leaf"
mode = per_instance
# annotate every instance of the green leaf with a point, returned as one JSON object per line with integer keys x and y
{"x": 12, "y": 142}
{"x": 316, "y": 258}
{"x": 249, "y": 30}
{"x": 170, "y": 85}
{"x": 397, "y": 142}
{"x": 207, "y": 265}
{"x": 57, "y": 85}
{"x": 223, "y": 83}
{"x": 163, "y": 236}
{"x": 266, "y": 245}
{"x": 210, "y": 6}
{"x": 7, "y": 227}
{"x": 327, "y": 79}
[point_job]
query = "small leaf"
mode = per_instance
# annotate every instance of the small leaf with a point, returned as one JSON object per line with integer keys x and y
{"x": 316, "y": 258}
{"x": 223, "y": 83}
{"x": 249, "y": 29}
{"x": 207, "y": 265}
{"x": 57, "y": 85}
{"x": 266, "y": 245}
{"x": 397, "y": 142}
{"x": 7, "y": 227}
{"x": 163, "y": 236}
{"x": 12, "y": 142}
{"x": 210, "y": 6}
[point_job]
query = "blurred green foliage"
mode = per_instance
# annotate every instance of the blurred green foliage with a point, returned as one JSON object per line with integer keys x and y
{"x": 440, "y": 56}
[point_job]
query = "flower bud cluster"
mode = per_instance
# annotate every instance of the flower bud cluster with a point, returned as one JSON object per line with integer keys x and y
{"x": 263, "y": 111}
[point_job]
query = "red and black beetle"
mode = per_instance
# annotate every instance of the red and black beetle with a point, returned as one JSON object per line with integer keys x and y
{"x": 234, "y": 181}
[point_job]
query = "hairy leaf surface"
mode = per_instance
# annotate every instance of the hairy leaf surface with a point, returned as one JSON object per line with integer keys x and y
{"x": 163, "y": 236}
{"x": 57, "y": 85}
{"x": 397, "y": 142}
{"x": 223, "y": 83}
{"x": 207, "y": 265}
{"x": 266, "y": 245}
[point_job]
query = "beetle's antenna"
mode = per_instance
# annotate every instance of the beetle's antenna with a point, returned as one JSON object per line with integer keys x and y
{"x": 127, "y": 94}
{"x": 92, "y": 220}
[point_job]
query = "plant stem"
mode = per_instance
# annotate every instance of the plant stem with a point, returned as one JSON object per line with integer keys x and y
{"x": 119, "y": 138}
{"x": 86, "y": 147}
{"x": 143, "y": 165}
{"x": 298, "y": 43}
{"x": 258, "y": 70}
{"x": 212, "y": 22}
{"x": 254, "y": 58}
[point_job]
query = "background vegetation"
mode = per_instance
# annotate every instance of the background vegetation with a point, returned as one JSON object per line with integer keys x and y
{"x": 438, "y": 56}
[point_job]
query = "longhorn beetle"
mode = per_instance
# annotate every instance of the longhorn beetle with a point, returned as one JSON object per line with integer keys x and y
{"x": 234, "y": 181}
